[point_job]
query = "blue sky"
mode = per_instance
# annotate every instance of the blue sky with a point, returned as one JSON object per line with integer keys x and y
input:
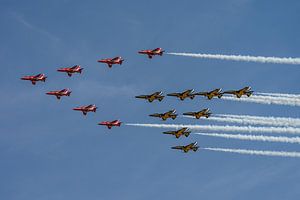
{"x": 48, "y": 151}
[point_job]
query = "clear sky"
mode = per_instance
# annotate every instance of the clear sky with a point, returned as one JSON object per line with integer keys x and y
{"x": 49, "y": 152}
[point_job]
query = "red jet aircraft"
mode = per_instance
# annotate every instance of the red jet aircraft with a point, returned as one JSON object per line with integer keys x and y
{"x": 112, "y": 61}
{"x": 71, "y": 70}
{"x": 86, "y": 109}
{"x": 151, "y": 53}
{"x": 110, "y": 124}
{"x": 34, "y": 79}
{"x": 60, "y": 93}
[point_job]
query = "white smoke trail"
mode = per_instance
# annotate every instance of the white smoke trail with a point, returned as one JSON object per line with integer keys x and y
{"x": 279, "y": 98}
{"x": 249, "y": 129}
{"x": 243, "y": 121}
{"x": 259, "y": 120}
{"x": 279, "y": 95}
{"x": 265, "y": 100}
{"x": 260, "y": 59}
{"x": 254, "y": 137}
{"x": 256, "y": 152}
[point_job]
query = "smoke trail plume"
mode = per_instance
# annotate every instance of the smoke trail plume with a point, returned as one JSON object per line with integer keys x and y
{"x": 261, "y": 138}
{"x": 256, "y": 152}
{"x": 260, "y": 59}
{"x": 265, "y": 100}
{"x": 259, "y": 120}
{"x": 249, "y": 129}
{"x": 279, "y": 95}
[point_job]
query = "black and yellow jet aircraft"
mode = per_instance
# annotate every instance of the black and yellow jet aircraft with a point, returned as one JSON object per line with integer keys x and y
{"x": 164, "y": 116}
{"x": 193, "y": 146}
{"x": 183, "y": 95}
{"x": 214, "y": 93}
{"x": 239, "y": 93}
{"x": 178, "y": 133}
{"x": 202, "y": 113}
{"x": 152, "y": 97}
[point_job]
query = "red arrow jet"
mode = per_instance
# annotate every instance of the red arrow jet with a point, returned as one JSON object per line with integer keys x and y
{"x": 151, "y": 53}
{"x": 71, "y": 70}
{"x": 112, "y": 61}
{"x": 34, "y": 79}
{"x": 60, "y": 93}
{"x": 86, "y": 109}
{"x": 110, "y": 124}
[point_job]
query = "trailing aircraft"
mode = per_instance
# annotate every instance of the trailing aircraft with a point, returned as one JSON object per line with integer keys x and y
{"x": 178, "y": 133}
{"x": 183, "y": 95}
{"x": 112, "y": 61}
{"x": 151, "y": 53}
{"x": 71, "y": 70}
{"x": 86, "y": 109}
{"x": 164, "y": 116}
{"x": 110, "y": 124}
{"x": 60, "y": 93}
{"x": 35, "y": 78}
{"x": 202, "y": 113}
{"x": 214, "y": 93}
{"x": 192, "y": 146}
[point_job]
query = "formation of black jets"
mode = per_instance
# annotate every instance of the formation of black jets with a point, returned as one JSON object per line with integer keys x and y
{"x": 191, "y": 94}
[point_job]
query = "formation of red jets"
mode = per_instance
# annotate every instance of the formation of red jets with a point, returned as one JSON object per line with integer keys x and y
{"x": 78, "y": 69}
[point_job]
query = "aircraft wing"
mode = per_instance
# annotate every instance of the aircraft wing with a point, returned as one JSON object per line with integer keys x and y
{"x": 157, "y": 93}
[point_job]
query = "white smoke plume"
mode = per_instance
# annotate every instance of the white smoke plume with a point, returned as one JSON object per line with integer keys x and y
{"x": 259, "y": 59}
{"x": 257, "y": 120}
{"x": 279, "y": 95}
{"x": 262, "y": 138}
{"x": 265, "y": 100}
{"x": 249, "y": 129}
{"x": 256, "y": 152}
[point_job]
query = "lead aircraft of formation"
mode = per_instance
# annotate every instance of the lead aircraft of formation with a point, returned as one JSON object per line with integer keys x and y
{"x": 239, "y": 93}
{"x": 151, "y": 97}
{"x": 71, "y": 70}
{"x": 35, "y": 78}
